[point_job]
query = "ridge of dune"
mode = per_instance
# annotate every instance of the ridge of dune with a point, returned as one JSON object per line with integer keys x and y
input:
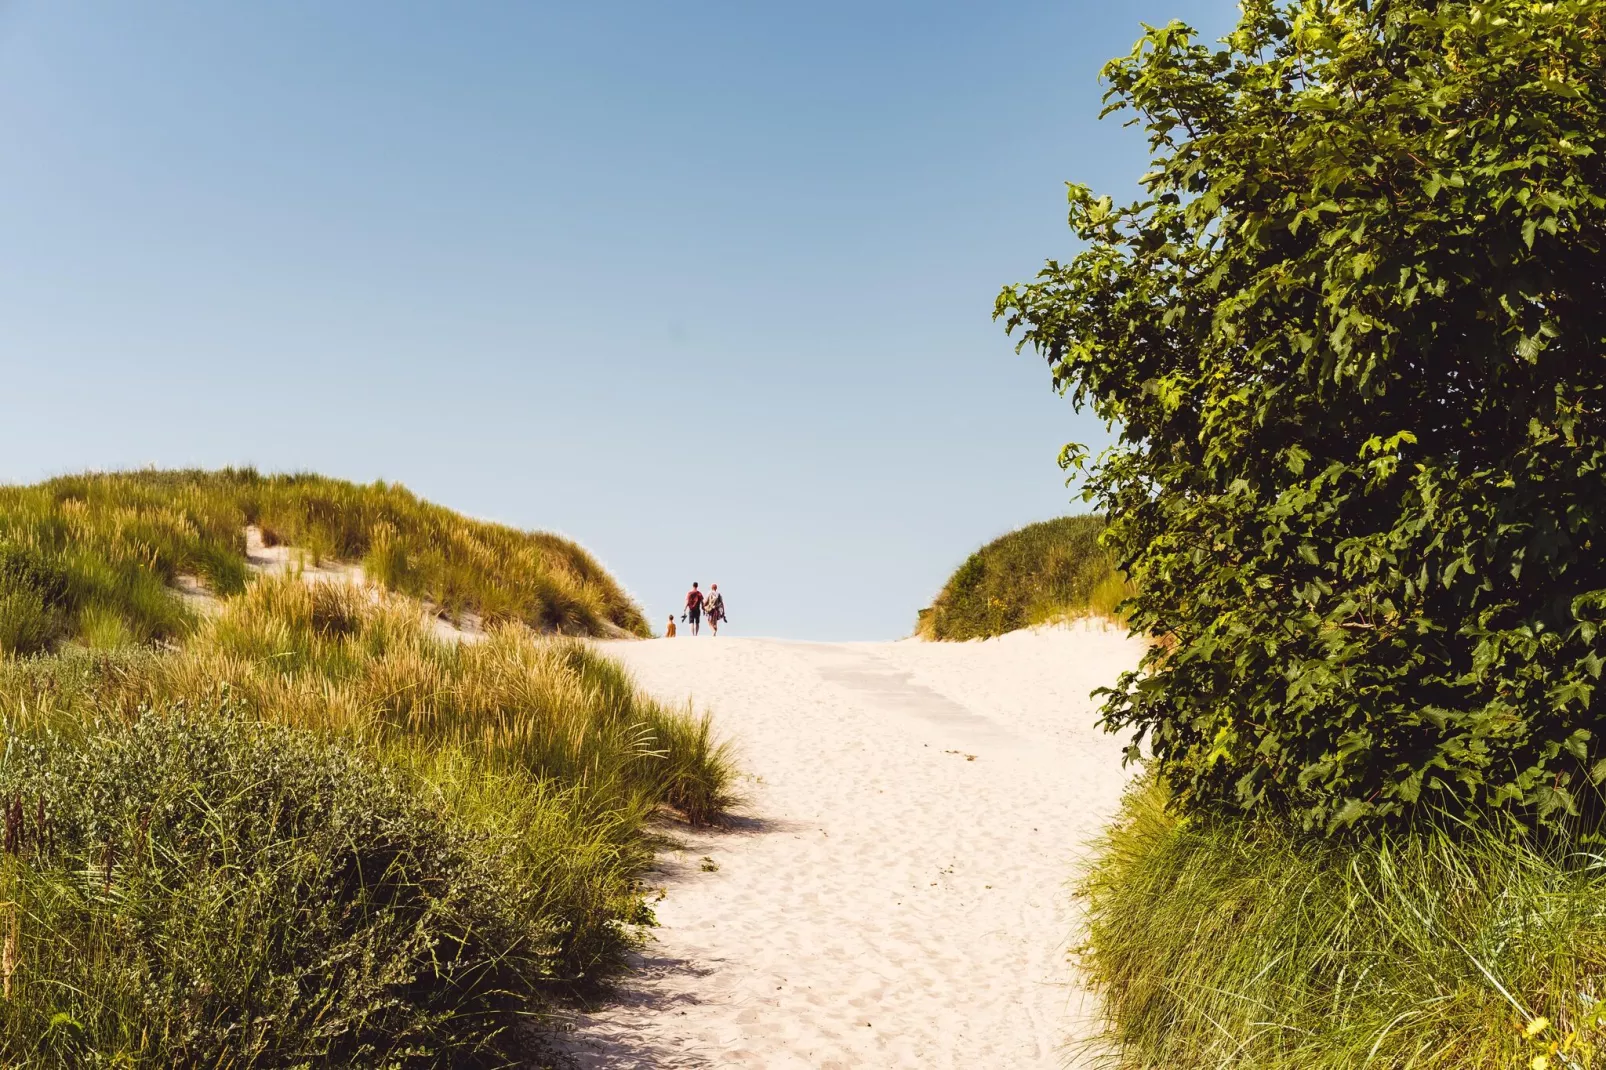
{"x": 894, "y": 890}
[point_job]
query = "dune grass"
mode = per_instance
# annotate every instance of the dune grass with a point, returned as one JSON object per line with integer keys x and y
{"x": 1232, "y": 943}
{"x": 316, "y": 833}
{"x": 93, "y": 558}
{"x": 195, "y": 889}
{"x": 1048, "y": 571}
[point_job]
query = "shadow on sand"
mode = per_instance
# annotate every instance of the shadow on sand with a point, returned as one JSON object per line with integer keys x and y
{"x": 655, "y": 983}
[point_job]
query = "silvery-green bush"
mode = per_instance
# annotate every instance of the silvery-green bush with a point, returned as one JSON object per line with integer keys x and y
{"x": 193, "y": 889}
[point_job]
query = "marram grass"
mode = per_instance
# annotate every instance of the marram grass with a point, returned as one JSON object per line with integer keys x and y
{"x": 317, "y": 834}
{"x": 192, "y": 889}
{"x": 1049, "y": 571}
{"x": 334, "y": 659}
{"x": 1219, "y": 943}
{"x": 93, "y": 557}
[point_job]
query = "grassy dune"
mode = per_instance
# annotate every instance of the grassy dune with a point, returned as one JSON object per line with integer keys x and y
{"x": 1047, "y": 571}
{"x": 92, "y": 557}
{"x": 317, "y": 831}
{"x": 305, "y": 830}
{"x": 1225, "y": 942}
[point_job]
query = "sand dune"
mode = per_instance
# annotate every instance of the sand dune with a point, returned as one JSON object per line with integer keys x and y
{"x": 895, "y": 892}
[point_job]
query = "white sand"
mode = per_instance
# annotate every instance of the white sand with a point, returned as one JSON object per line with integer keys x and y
{"x": 887, "y": 900}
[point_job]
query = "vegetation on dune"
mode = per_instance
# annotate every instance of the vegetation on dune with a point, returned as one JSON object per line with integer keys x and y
{"x": 307, "y": 829}
{"x": 1046, "y": 571}
{"x": 192, "y": 889}
{"x": 477, "y": 811}
{"x": 1222, "y": 942}
{"x": 92, "y": 557}
{"x": 1350, "y": 339}
{"x": 331, "y": 658}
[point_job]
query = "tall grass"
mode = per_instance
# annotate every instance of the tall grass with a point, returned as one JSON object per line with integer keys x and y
{"x": 1227, "y": 943}
{"x": 1048, "y": 571}
{"x": 118, "y": 541}
{"x": 357, "y": 843}
{"x": 334, "y": 659}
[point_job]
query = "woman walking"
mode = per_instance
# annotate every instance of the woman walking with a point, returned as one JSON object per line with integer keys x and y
{"x": 714, "y": 606}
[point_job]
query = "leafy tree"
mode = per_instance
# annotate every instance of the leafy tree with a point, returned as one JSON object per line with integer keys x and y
{"x": 1354, "y": 339}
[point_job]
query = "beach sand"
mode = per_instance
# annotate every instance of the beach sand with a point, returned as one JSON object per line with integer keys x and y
{"x": 894, "y": 891}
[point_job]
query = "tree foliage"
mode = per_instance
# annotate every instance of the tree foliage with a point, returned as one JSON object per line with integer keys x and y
{"x": 1353, "y": 336}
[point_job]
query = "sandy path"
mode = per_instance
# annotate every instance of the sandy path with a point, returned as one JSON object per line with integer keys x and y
{"x": 895, "y": 894}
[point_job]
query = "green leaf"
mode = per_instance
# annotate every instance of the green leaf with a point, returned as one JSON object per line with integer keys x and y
{"x": 1360, "y": 452}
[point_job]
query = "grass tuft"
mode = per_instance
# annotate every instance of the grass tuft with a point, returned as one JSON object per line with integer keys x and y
{"x": 1230, "y": 943}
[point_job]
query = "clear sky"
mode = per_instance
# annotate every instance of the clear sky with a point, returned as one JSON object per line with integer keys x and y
{"x": 706, "y": 286}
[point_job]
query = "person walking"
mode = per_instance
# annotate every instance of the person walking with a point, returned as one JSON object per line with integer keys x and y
{"x": 694, "y": 607}
{"x": 714, "y": 607}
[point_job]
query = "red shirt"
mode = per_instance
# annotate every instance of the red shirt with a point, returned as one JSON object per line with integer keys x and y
{"x": 694, "y": 599}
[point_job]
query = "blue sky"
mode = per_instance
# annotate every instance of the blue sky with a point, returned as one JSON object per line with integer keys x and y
{"x": 706, "y": 286}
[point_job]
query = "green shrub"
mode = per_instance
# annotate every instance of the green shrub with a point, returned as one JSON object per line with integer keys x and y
{"x": 33, "y": 600}
{"x": 1045, "y": 571}
{"x": 27, "y": 624}
{"x": 1219, "y": 941}
{"x": 197, "y": 890}
{"x": 1351, "y": 339}
{"x": 22, "y": 568}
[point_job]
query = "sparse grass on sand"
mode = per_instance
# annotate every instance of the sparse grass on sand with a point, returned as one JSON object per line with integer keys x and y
{"x": 93, "y": 557}
{"x": 1048, "y": 571}
{"x": 317, "y": 831}
{"x": 1231, "y": 943}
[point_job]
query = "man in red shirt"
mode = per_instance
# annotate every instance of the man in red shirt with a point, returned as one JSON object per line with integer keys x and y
{"x": 694, "y": 607}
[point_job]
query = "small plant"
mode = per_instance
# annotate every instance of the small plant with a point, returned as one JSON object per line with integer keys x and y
{"x": 34, "y": 598}
{"x": 27, "y": 624}
{"x": 708, "y": 865}
{"x": 100, "y": 628}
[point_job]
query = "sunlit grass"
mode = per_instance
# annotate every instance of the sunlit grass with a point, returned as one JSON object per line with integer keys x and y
{"x": 1237, "y": 943}
{"x": 119, "y": 541}
{"x": 304, "y": 828}
{"x": 518, "y": 775}
{"x": 336, "y": 659}
{"x": 1043, "y": 573}
{"x": 191, "y": 888}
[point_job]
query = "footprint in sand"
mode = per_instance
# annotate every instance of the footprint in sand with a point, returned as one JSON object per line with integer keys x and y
{"x": 894, "y": 894}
